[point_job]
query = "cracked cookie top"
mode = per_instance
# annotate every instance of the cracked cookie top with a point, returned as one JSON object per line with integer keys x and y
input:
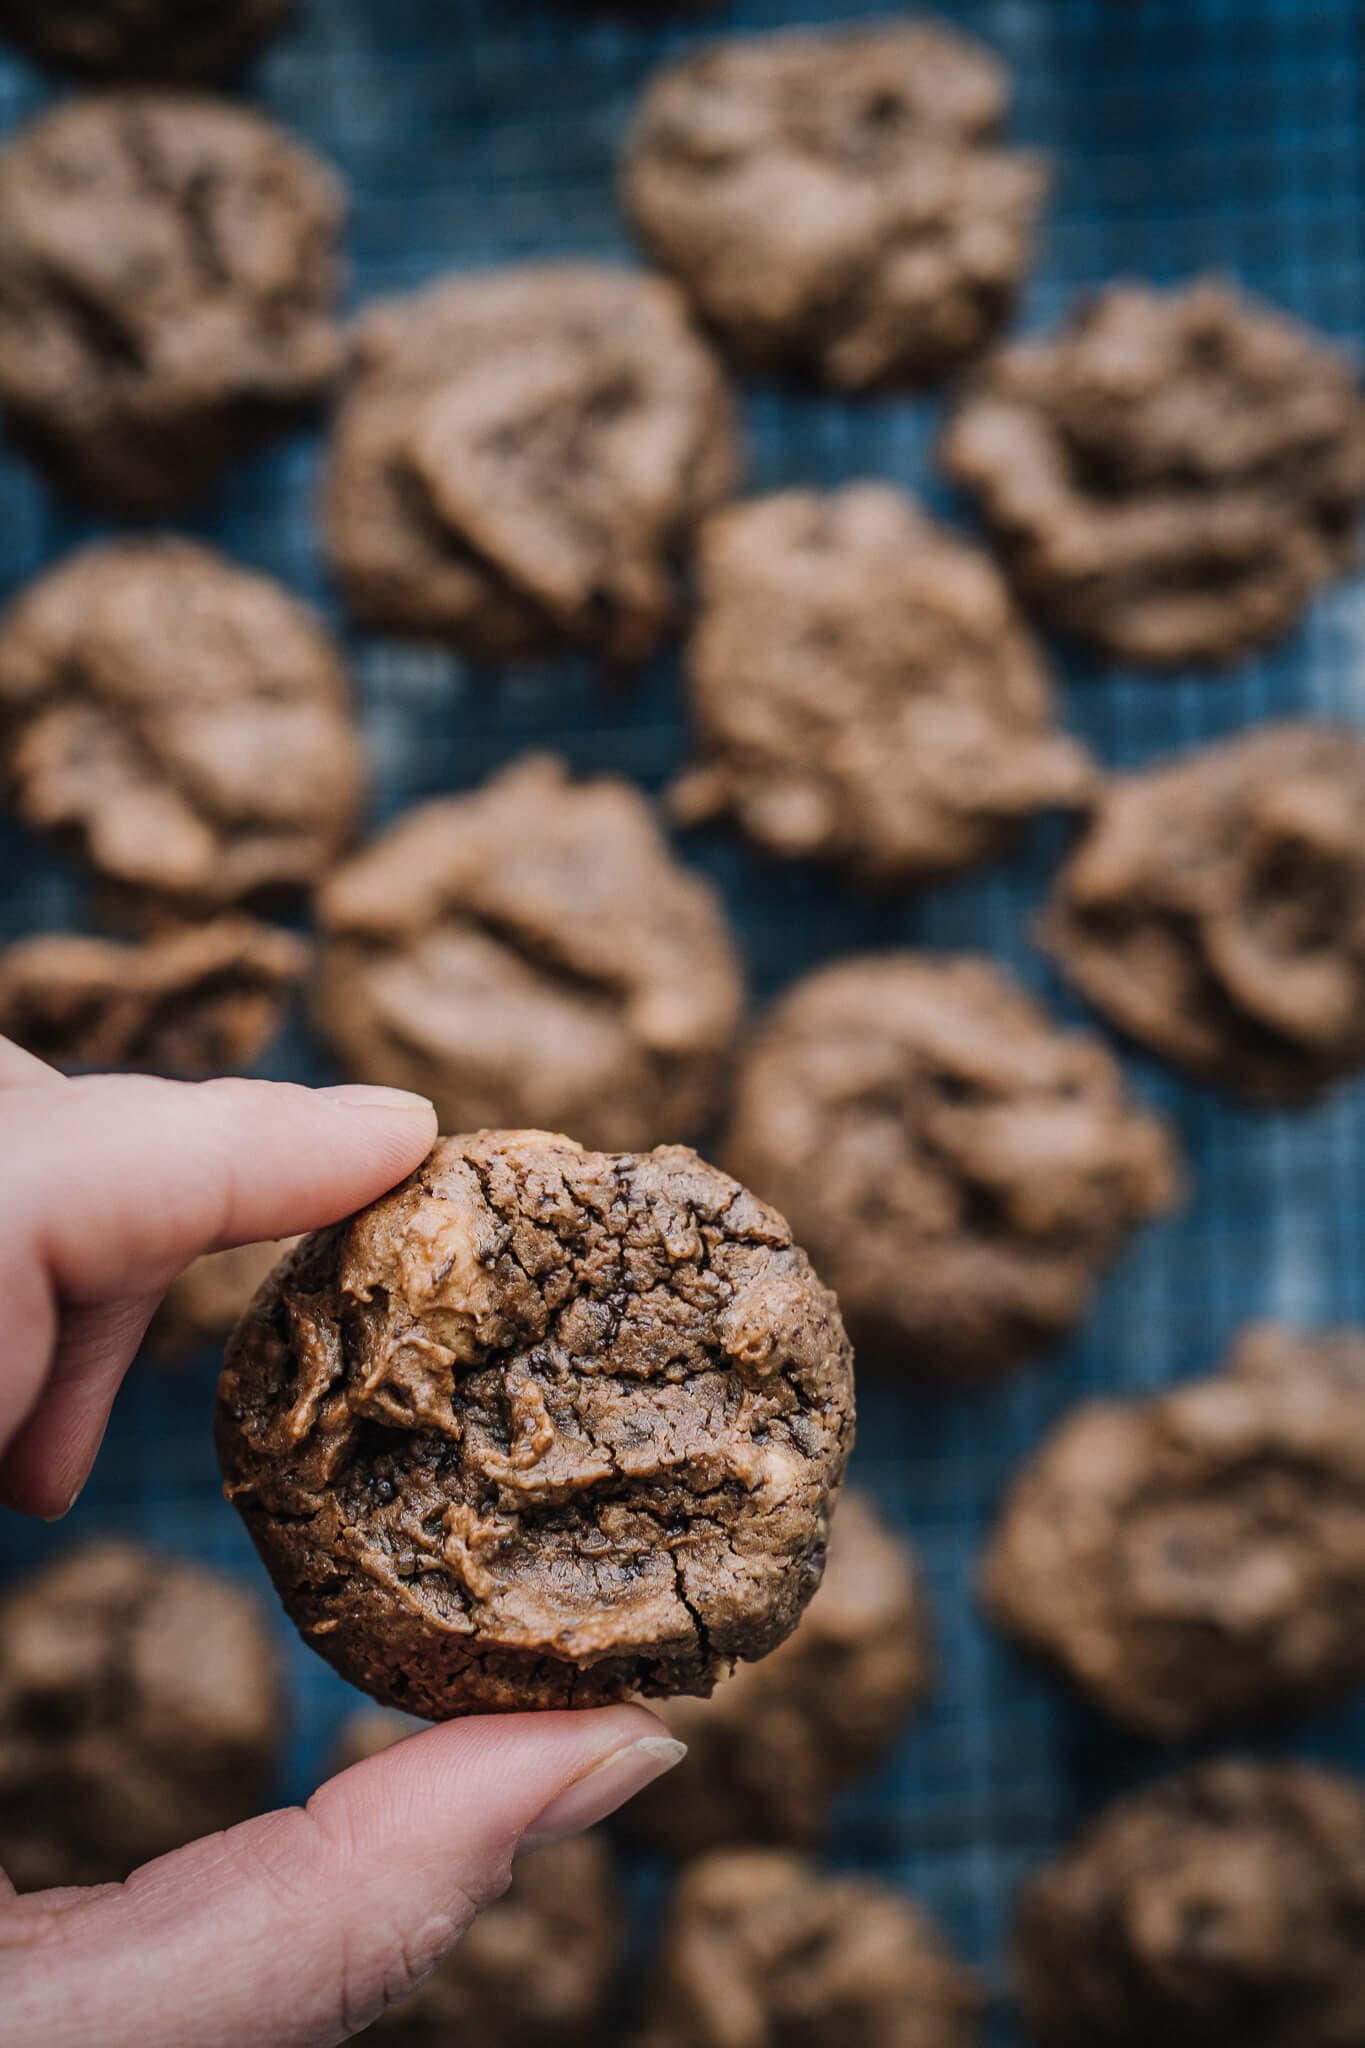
{"x": 778, "y": 1741}
{"x": 838, "y": 202}
{"x": 1200, "y": 1558}
{"x": 207, "y": 999}
{"x": 187, "y": 723}
{"x": 864, "y": 691}
{"x": 140, "y": 1707}
{"x": 179, "y": 40}
{"x": 1215, "y": 909}
{"x": 762, "y": 1950}
{"x": 521, "y": 460}
{"x": 168, "y": 273}
{"x": 532, "y": 955}
{"x": 1172, "y": 475}
{"x": 961, "y": 1170}
{"x": 543, "y": 1427}
{"x": 1224, "y": 1904}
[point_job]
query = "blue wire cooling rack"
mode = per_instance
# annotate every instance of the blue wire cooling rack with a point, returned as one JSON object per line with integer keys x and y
{"x": 1187, "y": 135}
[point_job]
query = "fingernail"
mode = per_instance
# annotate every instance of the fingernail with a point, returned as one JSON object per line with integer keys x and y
{"x": 606, "y": 1786}
{"x": 360, "y": 1095}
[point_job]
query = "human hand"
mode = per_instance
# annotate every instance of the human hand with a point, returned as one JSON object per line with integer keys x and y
{"x": 294, "y": 1930}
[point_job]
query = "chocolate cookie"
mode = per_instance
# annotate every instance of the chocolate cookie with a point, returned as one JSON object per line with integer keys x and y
{"x": 535, "y": 1969}
{"x": 202, "y": 1304}
{"x": 140, "y": 1707}
{"x": 1200, "y": 1558}
{"x": 1215, "y": 909}
{"x": 961, "y": 1170}
{"x": 541, "y": 1428}
{"x": 532, "y": 955}
{"x": 839, "y": 202}
{"x": 521, "y": 460}
{"x": 207, "y": 999}
{"x": 186, "y": 723}
{"x": 1224, "y": 1905}
{"x": 165, "y": 39}
{"x": 778, "y": 1742}
{"x": 863, "y": 690}
{"x": 1173, "y": 475}
{"x": 168, "y": 272}
{"x": 765, "y": 1951}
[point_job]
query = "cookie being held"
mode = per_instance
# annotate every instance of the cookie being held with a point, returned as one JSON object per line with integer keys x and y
{"x": 543, "y": 1427}
{"x": 1222, "y": 1905}
{"x": 1199, "y": 1558}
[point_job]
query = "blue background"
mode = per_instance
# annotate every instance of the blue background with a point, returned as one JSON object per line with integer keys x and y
{"x": 1186, "y": 135}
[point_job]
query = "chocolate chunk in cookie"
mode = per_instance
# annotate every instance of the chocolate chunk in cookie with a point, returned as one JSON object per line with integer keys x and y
{"x": 168, "y": 273}
{"x": 763, "y": 1948}
{"x": 1224, "y": 1905}
{"x": 521, "y": 460}
{"x": 1215, "y": 909}
{"x": 186, "y": 723}
{"x": 176, "y": 40}
{"x": 840, "y": 202}
{"x": 1199, "y": 1558}
{"x": 961, "y": 1170}
{"x": 204, "y": 1000}
{"x": 140, "y": 1707}
{"x": 1172, "y": 476}
{"x": 777, "y": 1743}
{"x": 863, "y": 690}
{"x": 541, "y": 1428}
{"x": 536, "y": 1969}
{"x": 532, "y": 955}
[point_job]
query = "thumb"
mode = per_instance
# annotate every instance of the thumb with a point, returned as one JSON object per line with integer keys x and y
{"x": 296, "y": 1930}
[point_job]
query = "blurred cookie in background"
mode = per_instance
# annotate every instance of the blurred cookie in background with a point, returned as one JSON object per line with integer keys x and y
{"x": 532, "y": 955}
{"x": 169, "y": 273}
{"x": 838, "y": 202}
{"x": 1198, "y": 1559}
{"x": 140, "y": 1707}
{"x": 959, "y": 1168}
{"x": 203, "y": 999}
{"x": 174, "y": 40}
{"x": 780, "y": 1740}
{"x": 1223, "y": 1905}
{"x": 863, "y": 691}
{"x": 1215, "y": 909}
{"x": 1172, "y": 475}
{"x": 186, "y": 724}
{"x": 202, "y": 1304}
{"x": 537, "y": 1968}
{"x": 521, "y": 460}
{"x": 763, "y": 1948}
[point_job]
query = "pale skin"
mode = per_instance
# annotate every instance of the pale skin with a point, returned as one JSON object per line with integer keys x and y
{"x": 296, "y": 1929}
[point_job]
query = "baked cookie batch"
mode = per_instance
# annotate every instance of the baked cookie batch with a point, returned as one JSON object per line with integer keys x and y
{"x": 565, "y": 1419}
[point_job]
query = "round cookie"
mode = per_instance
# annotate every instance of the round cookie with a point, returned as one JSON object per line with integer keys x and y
{"x": 541, "y": 1428}
{"x": 863, "y": 690}
{"x": 777, "y": 1742}
{"x": 179, "y": 40}
{"x": 186, "y": 723}
{"x": 206, "y": 999}
{"x": 961, "y": 1170}
{"x": 521, "y": 460}
{"x": 1223, "y": 1905}
{"x": 1199, "y": 1558}
{"x": 1173, "y": 475}
{"x": 762, "y": 1948}
{"x": 140, "y": 1707}
{"x": 532, "y": 955}
{"x": 1215, "y": 909}
{"x": 536, "y": 1968}
{"x": 168, "y": 274}
{"x": 838, "y": 202}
